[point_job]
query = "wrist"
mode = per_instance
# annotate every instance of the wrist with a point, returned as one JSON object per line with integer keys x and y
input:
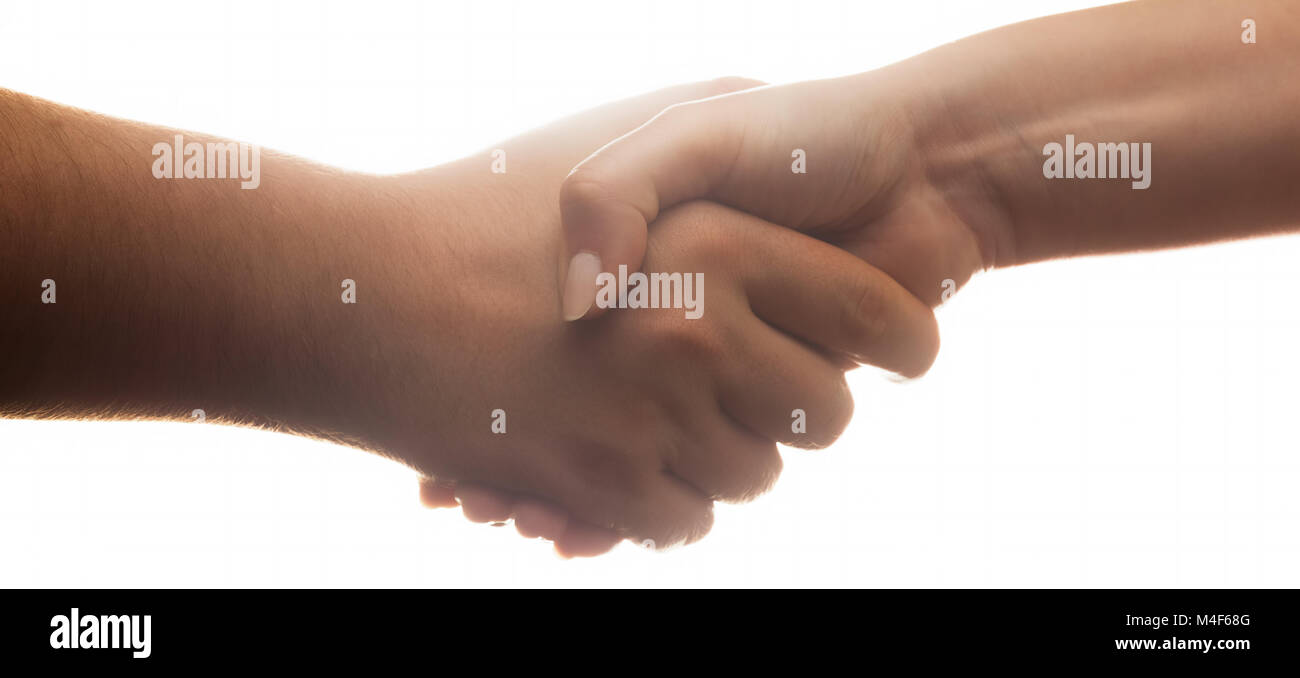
{"x": 379, "y": 355}
{"x": 961, "y": 156}
{"x": 311, "y": 319}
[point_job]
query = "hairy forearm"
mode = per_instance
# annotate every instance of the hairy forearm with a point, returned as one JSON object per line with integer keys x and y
{"x": 171, "y": 295}
{"x": 1220, "y": 117}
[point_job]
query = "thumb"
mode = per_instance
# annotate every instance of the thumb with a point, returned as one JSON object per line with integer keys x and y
{"x": 608, "y": 200}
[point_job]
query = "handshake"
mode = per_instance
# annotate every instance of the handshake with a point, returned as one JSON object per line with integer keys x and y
{"x": 601, "y": 328}
{"x": 622, "y": 404}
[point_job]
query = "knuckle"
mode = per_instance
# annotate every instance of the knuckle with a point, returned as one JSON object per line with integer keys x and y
{"x": 926, "y": 346}
{"x": 840, "y": 411}
{"x": 585, "y": 186}
{"x": 863, "y": 317}
{"x": 690, "y": 525}
{"x": 830, "y": 417}
{"x": 756, "y": 478}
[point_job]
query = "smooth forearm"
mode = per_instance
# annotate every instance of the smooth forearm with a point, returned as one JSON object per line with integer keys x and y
{"x": 1219, "y": 115}
{"x": 170, "y": 294}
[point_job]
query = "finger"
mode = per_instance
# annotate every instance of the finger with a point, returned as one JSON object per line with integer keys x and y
{"x": 581, "y": 540}
{"x": 729, "y": 463}
{"x": 537, "y": 519}
{"x": 609, "y": 198}
{"x": 483, "y": 505}
{"x": 573, "y": 539}
{"x": 608, "y": 488}
{"x": 434, "y": 494}
{"x": 533, "y": 519}
{"x": 833, "y": 299}
{"x": 794, "y": 396}
{"x": 662, "y": 509}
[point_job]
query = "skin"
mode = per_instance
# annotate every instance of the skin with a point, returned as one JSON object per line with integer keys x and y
{"x": 183, "y": 294}
{"x": 931, "y": 169}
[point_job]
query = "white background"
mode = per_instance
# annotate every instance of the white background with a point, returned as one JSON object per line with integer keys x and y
{"x": 1124, "y": 421}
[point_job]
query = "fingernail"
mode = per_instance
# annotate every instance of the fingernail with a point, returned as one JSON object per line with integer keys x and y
{"x": 580, "y": 285}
